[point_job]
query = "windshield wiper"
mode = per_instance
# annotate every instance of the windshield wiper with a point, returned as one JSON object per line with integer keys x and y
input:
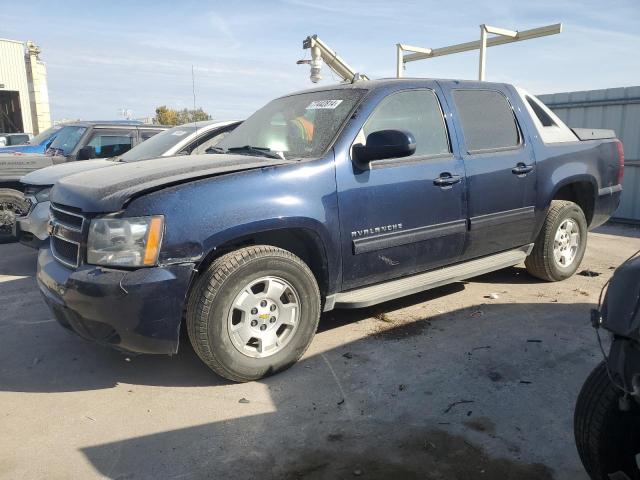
{"x": 215, "y": 150}
{"x": 262, "y": 151}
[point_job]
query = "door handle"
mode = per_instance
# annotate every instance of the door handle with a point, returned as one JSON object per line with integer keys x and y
{"x": 446, "y": 180}
{"x": 521, "y": 169}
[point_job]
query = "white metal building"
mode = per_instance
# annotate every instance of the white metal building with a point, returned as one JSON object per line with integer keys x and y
{"x": 24, "y": 97}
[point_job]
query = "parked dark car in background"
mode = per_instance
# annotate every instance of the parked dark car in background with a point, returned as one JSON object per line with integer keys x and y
{"x": 343, "y": 196}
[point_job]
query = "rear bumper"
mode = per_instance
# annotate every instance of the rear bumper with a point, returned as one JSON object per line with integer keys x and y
{"x": 136, "y": 311}
{"x": 606, "y": 203}
{"x": 31, "y": 230}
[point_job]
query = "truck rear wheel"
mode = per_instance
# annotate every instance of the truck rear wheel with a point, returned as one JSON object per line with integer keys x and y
{"x": 607, "y": 439}
{"x": 12, "y": 205}
{"x": 253, "y": 312}
{"x": 560, "y": 246}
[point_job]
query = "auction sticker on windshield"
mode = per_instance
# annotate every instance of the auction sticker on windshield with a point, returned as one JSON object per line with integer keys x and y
{"x": 179, "y": 133}
{"x": 323, "y": 104}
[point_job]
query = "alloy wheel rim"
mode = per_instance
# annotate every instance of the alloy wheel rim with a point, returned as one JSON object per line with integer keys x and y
{"x": 566, "y": 243}
{"x": 264, "y": 317}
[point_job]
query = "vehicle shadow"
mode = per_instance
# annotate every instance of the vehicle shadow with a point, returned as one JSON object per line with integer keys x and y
{"x": 377, "y": 408}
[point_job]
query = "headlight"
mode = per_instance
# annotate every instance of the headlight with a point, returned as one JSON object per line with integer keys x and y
{"x": 125, "y": 242}
{"x": 43, "y": 195}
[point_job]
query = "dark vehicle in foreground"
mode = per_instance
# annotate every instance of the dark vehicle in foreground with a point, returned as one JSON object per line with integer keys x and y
{"x": 607, "y": 413}
{"x": 339, "y": 197}
{"x": 74, "y": 141}
{"x": 37, "y": 144}
{"x": 188, "y": 139}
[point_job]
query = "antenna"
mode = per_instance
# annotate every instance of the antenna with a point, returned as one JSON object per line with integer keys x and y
{"x": 193, "y": 89}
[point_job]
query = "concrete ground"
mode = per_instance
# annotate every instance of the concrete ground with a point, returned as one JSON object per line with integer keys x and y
{"x": 447, "y": 384}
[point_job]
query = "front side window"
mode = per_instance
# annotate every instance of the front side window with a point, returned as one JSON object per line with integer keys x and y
{"x": 417, "y": 112}
{"x": 297, "y": 126}
{"x": 487, "y": 120}
{"x": 108, "y": 145}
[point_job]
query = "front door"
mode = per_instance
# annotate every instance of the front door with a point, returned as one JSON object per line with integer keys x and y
{"x": 403, "y": 215}
{"x": 500, "y": 169}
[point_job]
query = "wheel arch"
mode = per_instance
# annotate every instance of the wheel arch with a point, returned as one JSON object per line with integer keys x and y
{"x": 581, "y": 190}
{"x": 305, "y": 238}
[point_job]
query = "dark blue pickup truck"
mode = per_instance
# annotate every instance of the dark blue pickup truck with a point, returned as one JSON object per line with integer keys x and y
{"x": 343, "y": 196}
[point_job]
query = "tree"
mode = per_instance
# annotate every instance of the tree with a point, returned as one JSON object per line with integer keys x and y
{"x": 170, "y": 116}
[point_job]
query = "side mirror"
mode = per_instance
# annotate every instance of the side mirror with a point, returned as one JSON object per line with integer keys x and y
{"x": 385, "y": 144}
{"x": 86, "y": 153}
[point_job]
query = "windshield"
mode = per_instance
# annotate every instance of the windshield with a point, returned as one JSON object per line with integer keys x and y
{"x": 297, "y": 126}
{"x": 157, "y": 145}
{"x": 43, "y": 136}
{"x": 67, "y": 140}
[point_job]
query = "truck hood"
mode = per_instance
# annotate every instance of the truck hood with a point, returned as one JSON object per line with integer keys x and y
{"x": 50, "y": 175}
{"x": 109, "y": 190}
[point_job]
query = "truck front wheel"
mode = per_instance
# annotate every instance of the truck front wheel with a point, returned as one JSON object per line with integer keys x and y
{"x": 253, "y": 312}
{"x": 561, "y": 243}
{"x": 12, "y": 205}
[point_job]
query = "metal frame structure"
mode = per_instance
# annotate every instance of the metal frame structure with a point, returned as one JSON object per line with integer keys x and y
{"x": 320, "y": 52}
{"x": 503, "y": 36}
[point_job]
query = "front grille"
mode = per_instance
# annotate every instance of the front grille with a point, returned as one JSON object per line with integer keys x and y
{"x": 71, "y": 219}
{"x": 66, "y": 235}
{"x": 65, "y": 252}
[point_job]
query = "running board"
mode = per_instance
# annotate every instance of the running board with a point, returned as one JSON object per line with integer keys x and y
{"x": 383, "y": 292}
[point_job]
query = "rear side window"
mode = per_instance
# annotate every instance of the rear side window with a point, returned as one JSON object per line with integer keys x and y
{"x": 487, "y": 120}
{"x": 415, "y": 111}
{"x": 543, "y": 116}
{"x": 110, "y": 144}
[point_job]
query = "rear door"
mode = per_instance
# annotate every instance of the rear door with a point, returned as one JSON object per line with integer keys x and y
{"x": 397, "y": 217}
{"x": 500, "y": 169}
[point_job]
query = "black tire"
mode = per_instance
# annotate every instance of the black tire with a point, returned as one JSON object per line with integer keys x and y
{"x": 607, "y": 438}
{"x": 213, "y": 294}
{"x": 541, "y": 263}
{"x": 12, "y": 204}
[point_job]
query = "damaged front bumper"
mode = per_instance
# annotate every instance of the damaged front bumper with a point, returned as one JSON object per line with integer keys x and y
{"x": 136, "y": 311}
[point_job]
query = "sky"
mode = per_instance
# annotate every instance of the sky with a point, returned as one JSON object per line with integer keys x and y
{"x": 103, "y": 56}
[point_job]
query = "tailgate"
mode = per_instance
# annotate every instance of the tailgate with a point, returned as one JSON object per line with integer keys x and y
{"x": 593, "y": 133}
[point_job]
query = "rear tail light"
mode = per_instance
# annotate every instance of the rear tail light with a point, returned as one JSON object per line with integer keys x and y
{"x": 620, "y": 161}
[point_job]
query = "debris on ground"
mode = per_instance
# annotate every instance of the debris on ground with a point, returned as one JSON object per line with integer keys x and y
{"x": 582, "y": 292}
{"x": 243, "y": 400}
{"x": 493, "y": 296}
{"x": 341, "y": 402}
{"x": 402, "y": 387}
{"x": 525, "y": 382}
{"x": 588, "y": 273}
{"x": 348, "y": 355}
{"x": 453, "y": 404}
{"x": 476, "y": 313}
{"x": 127, "y": 359}
{"x": 533, "y": 340}
{"x": 481, "y": 348}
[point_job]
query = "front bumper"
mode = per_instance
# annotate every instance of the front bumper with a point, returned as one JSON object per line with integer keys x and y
{"x": 136, "y": 311}
{"x": 31, "y": 230}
